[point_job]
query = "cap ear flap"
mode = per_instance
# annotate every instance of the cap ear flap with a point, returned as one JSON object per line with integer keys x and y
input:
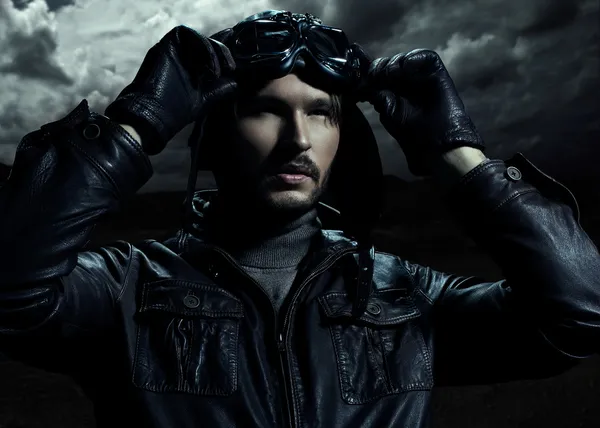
{"x": 355, "y": 185}
{"x": 210, "y": 134}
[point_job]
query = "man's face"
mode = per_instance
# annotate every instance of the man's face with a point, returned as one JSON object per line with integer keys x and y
{"x": 285, "y": 137}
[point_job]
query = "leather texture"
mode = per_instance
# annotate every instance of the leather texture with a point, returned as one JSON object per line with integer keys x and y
{"x": 176, "y": 335}
{"x": 181, "y": 77}
{"x": 419, "y": 106}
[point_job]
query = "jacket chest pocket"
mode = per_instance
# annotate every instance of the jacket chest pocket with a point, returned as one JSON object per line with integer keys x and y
{"x": 382, "y": 352}
{"x": 187, "y": 339}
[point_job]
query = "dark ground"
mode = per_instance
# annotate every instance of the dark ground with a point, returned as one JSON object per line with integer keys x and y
{"x": 413, "y": 227}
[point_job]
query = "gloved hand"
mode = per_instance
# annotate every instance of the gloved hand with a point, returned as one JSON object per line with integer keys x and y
{"x": 180, "y": 78}
{"x": 419, "y": 106}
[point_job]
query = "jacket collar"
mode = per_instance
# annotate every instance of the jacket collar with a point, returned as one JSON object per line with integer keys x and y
{"x": 191, "y": 245}
{"x": 329, "y": 217}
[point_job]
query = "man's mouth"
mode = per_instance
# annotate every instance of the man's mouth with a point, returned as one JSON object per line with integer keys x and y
{"x": 293, "y": 178}
{"x": 293, "y": 174}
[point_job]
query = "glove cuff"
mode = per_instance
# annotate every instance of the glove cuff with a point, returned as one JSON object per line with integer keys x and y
{"x": 463, "y": 135}
{"x": 144, "y": 115}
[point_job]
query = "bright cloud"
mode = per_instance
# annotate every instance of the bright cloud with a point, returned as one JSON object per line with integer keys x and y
{"x": 519, "y": 65}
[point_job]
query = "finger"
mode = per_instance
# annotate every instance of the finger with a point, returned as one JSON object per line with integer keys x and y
{"x": 383, "y": 72}
{"x": 211, "y": 54}
{"x": 222, "y": 90}
{"x": 384, "y": 102}
{"x": 192, "y": 49}
{"x": 224, "y": 54}
{"x": 226, "y": 89}
{"x": 393, "y": 110}
{"x": 422, "y": 62}
{"x": 403, "y": 68}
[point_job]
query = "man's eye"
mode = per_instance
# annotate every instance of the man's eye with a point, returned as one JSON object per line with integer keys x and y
{"x": 322, "y": 112}
{"x": 271, "y": 108}
{"x": 257, "y": 110}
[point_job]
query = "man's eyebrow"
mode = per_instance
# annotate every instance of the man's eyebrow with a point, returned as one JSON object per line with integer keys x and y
{"x": 320, "y": 102}
{"x": 265, "y": 98}
{"x": 312, "y": 103}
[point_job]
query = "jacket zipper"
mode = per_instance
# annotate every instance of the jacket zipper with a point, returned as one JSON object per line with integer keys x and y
{"x": 287, "y": 412}
{"x": 281, "y": 334}
{"x": 234, "y": 264}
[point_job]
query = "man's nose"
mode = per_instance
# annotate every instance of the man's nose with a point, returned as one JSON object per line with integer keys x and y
{"x": 298, "y": 132}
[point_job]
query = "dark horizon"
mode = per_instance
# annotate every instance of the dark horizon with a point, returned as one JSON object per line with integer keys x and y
{"x": 423, "y": 234}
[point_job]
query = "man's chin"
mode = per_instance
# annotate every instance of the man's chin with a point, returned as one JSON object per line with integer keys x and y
{"x": 289, "y": 201}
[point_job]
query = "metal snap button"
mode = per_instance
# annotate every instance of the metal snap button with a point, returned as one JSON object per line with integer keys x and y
{"x": 191, "y": 301}
{"x": 513, "y": 173}
{"x": 373, "y": 309}
{"x": 212, "y": 271}
{"x": 91, "y": 132}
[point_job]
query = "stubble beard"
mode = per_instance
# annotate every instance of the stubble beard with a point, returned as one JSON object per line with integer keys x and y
{"x": 289, "y": 206}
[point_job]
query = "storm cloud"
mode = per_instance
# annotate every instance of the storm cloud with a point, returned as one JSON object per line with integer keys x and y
{"x": 527, "y": 71}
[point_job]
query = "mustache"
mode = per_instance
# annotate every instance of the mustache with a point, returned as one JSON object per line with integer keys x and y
{"x": 301, "y": 165}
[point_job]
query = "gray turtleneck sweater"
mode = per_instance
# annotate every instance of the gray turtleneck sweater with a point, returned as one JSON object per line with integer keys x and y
{"x": 273, "y": 260}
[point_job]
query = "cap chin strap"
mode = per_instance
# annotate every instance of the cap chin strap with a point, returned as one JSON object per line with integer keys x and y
{"x": 364, "y": 282}
{"x": 194, "y": 145}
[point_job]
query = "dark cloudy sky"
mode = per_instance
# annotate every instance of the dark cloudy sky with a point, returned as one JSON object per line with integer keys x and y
{"x": 528, "y": 70}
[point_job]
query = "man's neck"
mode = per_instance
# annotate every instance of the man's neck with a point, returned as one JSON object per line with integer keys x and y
{"x": 258, "y": 238}
{"x": 249, "y": 218}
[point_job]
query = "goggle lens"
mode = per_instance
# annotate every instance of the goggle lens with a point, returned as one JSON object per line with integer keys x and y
{"x": 327, "y": 42}
{"x": 264, "y": 38}
{"x": 330, "y": 45}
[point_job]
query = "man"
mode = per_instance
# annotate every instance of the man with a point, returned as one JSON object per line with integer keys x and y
{"x": 254, "y": 315}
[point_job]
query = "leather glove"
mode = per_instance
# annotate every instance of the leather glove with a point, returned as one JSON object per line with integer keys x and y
{"x": 419, "y": 106}
{"x": 180, "y": 78}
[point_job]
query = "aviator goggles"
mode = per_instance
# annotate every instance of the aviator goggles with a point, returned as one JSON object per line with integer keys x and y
{"x": 271, "y": 46}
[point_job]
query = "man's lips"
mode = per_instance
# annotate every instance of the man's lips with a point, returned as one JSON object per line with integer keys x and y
{"x": 292, "y": 174}
{"x": 293, "y": 170}
{"x": 293, "y": 178}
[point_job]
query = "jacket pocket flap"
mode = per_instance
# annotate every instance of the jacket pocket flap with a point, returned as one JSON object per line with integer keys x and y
{"x": 383, "y": 308}
{"x": 190, "y": 299}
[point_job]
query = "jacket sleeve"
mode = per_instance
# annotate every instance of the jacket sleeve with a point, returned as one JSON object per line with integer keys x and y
{"x": 65, "y": 178}
{"x": 545, "y": 315}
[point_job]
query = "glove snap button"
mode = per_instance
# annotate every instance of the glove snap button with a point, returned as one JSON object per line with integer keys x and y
{"x": 191, "y": 301}
{"x": 373, "y": 309}
{"x": 513, "y": 173}
{"x": 91, "y": 132}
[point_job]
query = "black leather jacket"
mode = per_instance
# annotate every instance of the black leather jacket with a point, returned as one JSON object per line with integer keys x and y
{"x": 175, "y": 335}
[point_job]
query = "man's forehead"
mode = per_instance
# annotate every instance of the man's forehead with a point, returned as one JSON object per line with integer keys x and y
{"x": 291, "y": 86}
